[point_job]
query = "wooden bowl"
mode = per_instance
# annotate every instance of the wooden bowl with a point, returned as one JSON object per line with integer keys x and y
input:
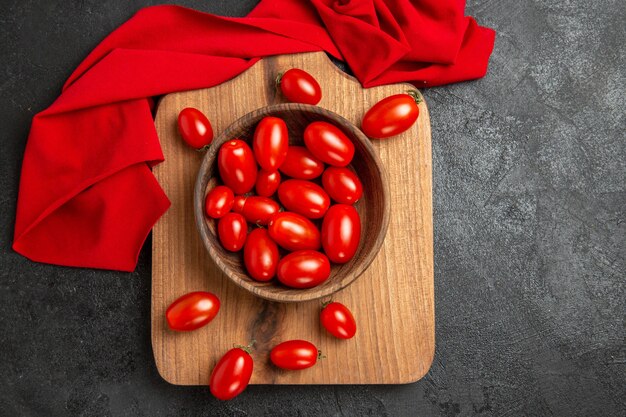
{"x": 373, "y": 206}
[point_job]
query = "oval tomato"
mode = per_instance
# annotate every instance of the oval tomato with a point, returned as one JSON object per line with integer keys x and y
{"x": 295, "y": 355}
{"x": 195, "y": 128}
{"x": 219, "y": 201}
{"x": 231, "y": 375}
{"x": 304, "y": 197}
{"x": 232, "y": 230}
{"x": 267, "y": 183}
{"x": 299, "y": 86}
{"x": 255, "y": 209}
{"x": 391, "y": 116}
{"x": 270, "y": 143}
{"x": 236, "y": 165}
{"x": 341, "y": 233}
{"x": 329, "y": 144}
{"x": 301, "y": 164}
{"x": 260, "y": 255}
{"x": 293, "y": 231}
{"x": 303, "y": 269}
{"x": 192, "y": 311}
{"x": 342, "y": 185}
{"x": 338, "y": 320}
{"x": 238, "y": 203}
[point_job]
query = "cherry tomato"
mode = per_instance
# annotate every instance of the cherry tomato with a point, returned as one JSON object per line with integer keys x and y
{"x": 300, "y": 163}
{"x": 293, "y": 231}
{"x": 328, "y": 143}
{"x": 391, "y": 116}
{"x": 232, "y": 230}
{"x": 219, "y": 201}
{"x": 195, "y": 128}
{"x": 260, "y": 255}
{"x": 238, "y": 203}
{"x": 235, "y": 162}
{"x": 338, "y": 320}
{"x": 295, "y": 355}
{"x": 232, "y": 374}
{"x": 267, "y": 183}
{"x": 192, "y": 311}
{"x": 303, "y": 269}
{"x": 270, "y": 143}
{"x": 342, "y": 185}
{"x": 304, "y": 197}
{"x": 255, "y": 209}
{"x": 341, "y": 233}
{"x": 299, "y": 86}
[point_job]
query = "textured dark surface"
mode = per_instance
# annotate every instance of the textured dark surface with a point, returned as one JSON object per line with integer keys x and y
{"x": 529, "y": 202}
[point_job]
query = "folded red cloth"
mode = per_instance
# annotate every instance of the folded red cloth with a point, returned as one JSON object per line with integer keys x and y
{"x": 87, "y": 196}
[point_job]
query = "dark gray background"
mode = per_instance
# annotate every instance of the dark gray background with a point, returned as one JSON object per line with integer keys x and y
{"x": 529, "y": 202}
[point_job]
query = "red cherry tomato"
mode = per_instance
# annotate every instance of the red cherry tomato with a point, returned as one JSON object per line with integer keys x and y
{"x": 267, "y": 183}
{"x": 256, "y": 210}
{"x": 328, "y": 143}
{"x": 293, "y": 231}
{"x": 303, "y": 269}
{"x": 235, "y": 162}
{"x": 341, "y": 233}
{"x": 195, "y": 128}
{"x": 342, "y": 185}
{"x": 231, "y": 375}
{"x": 299, "y": 86}
{"x": 260, "y": 255}
{"x": 300, "y": 163}
{"x": 232, "y": 230}
{"x": 219, "y": 201}
{"x": 270, "y": 143}
{"x": 295, "y": 355}
{"x": 391, "y": 116}
{"x": 338, "y": 320}
{"x": 192, "y": 311}
{"x": 238, "y": 203}
{"x": 304, "y": 197}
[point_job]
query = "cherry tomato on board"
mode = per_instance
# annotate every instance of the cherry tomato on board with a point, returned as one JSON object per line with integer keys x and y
{"x": 342, "y": 185}
{"x": 236, "y": 165}
{"x": 232, "y": 230}
{"x": 303, "y": 269}
{"x": 299, "y": 86}
{"x": 338, "y": 320}
{"x": 267, "y": 183}
{"x": 295, "y": 355}
{"x": 328, "y": 143}
{"x": 231, "y": 375}
{"x": 195, "y": 128}
{"x": 341, "y": 233}
{"x": 300, "y": 163}
{"x": 260, "y": 255}
{"x": 219, "y": 201}
{"x": 257, "y": 210}
{"x": 270, "y": 143}
{"x": 304, "y": 197}
{"x": 293, "y": 231}
{"x": 192, "y": 311}
{"x": 391, "y": 116}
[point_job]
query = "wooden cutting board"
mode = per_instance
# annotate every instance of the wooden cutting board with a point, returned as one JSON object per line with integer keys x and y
{"x": 393, "y": 301}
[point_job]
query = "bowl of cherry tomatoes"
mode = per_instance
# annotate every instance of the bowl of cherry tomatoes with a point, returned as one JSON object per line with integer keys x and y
{"x": 291, "y": 202}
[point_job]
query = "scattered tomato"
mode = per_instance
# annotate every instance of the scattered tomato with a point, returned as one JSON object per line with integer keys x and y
{"x": 232, "y": 230}
{"x": 236, "y": 165}
{"x": 328, "y": 143}
{"x": 260, "y": 255}
{"x": 342, "y": 185}
{"x": 303, "y": 269}
{"x": 192, "y": 311}
{"x": 295, "y": 355}
{"x": 338, "y": 320}
{"x": 258, "y": 210}
{"x": 231, "y": 375}
{"x": 391, "y": 116}
{"x": 299, "y": 86}
{"x": 267, "y": 183}
{"x": 293, "y": 231}
{"x": 301, "y": 164}
{"x": 219, "y": 201}
{"x": 195, "y": 128}
{"x": 341, "y": 233}
{"x": 304, "y": 197}
{"x": 270, "y": 143}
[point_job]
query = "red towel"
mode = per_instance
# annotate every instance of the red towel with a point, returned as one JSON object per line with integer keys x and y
{"x": 87, "y": 196}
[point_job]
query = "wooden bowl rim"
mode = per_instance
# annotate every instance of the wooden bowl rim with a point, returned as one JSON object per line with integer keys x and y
{"x": 202, "y": 181}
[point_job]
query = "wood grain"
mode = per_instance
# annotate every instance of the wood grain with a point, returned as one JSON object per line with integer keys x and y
{"x": 393, "y": 301}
